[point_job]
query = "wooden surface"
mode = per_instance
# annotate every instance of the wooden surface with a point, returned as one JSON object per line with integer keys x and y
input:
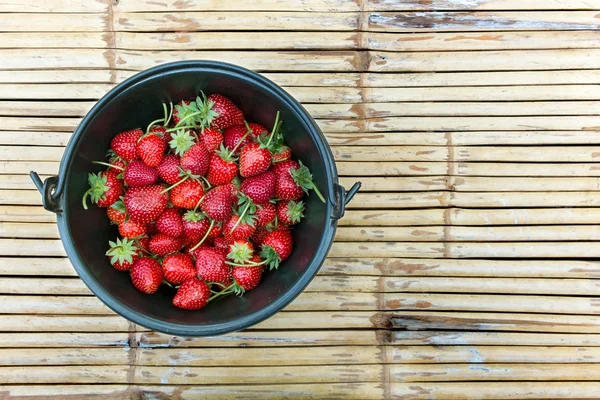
{"x": 465, "y": 269}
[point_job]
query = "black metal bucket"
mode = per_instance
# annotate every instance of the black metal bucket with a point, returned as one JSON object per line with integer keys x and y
{"x": 134, "y": 103}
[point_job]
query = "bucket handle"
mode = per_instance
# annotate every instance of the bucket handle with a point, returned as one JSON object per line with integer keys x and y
{"x": 47, "y": 188}
{"x": 342, "y": 198}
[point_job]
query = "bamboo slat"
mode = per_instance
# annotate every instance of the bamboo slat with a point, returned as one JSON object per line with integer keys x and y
{"x": 60, "y": 323}
{"x": 440, "y": 338}
{"x": 72, "y": 339}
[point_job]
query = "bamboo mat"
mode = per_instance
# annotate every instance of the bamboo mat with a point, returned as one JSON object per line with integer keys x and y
{"x": 466, "y": 268}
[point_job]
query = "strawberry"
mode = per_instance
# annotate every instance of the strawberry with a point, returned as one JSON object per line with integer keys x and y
{"x": 122, "y": 254}
{"x": 212, "y": 139}
{"x": 215, "y": 231}
{"x": 105, "y": 188}
{"x": 161, "y": 132}
{"x": 293, "y": 180}
{"x": 116, "y": 212}
{"x": 260, "y": 188}
{"x": 277, "y": 247}
{"x": 151, "y": 229}
{"x": 246, "y": 278}
{"x": 236, "y": 137}
{"x": 217, "y": 203}
{"x": 138, "y": 173}
{"x": 196, "y": 160}
{"x": 183, "y": 110}
{"x": 145, "y": 204}
{"x": 211, "y": 267}
{"x": 259, "y": 236}
{"x": 170, "y": 223}
{"x": 282, "y": 153}
{"x": 131, "y": 229}
{"x": 265, "y": 214}
{"x": 178, "y": 268}
{"x": 146, "y": 275}
{"x": 193, "y": 294}
{"x": 254, "y": 160}
{"x": 221, "y": 243}
{"x": 187, "y": 194}
{"x": 218, "y": 112}
{"x": 143, "y": 244}
{"x": 257, "y": 130}
{"x": 195, "y": 226}
{"x": 162, "y": 244}
{"x": 181, "y": 141}
{"x": 290, "y": 212}
{"x": 239, "y": 227}
{"x": 125, "y": 144}
{"x": 151, "y": 149}
{"x": 222, "y": 168}
{"x": 169, "y": 170}
{"x": 240, "y": 251}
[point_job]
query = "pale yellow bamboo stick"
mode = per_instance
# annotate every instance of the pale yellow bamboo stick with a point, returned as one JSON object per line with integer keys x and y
{"x": 346, "y": 283}
{"x": 491, "y": 303}
{"x": 41, "y": 153}
{"x": 486, "y": 5}
{"x": 523, "y": 216}
{"x": 393, "y": 217}
{"x": 409, "y": 184}
{"x": 18, "y": 167}
{"x": 503, "y": 184}
{"x": 255, "y": 356}
{"x": 390, "y": 153}
{"x": 492, "y": 354}
{"x": 522, "y": 199}
{"x": 43, "y": 286}
{"x": 523, "y": 169}
{"x": 481, "y": 21}
{"x": 34, "y": 138}
{"x": 442, "y": 79}
{"x": 526, "y": 153}
{"x": 263, "y": 339}
{"x": 398, "y": 249}
{"x": 72, "y": 356}
{"x": 441, "y": 338}
{"x": 51, "y": 40}
{"x": 17, "y": 182}
{"x": 495, "y": 322}
{"x": 253, "y": 375}
{"x": 36, "y": 124}
{"x": 522, "y": 250}
{"x": 260, "y": 5}
{"x": 31, "y": 247}
{"x": 380, "y": 201}
{"x": 496, "y": 390}
{"x": 516, "y": 60}
{"x": 59, "y": 305}
{"x": 36, "y": 59}
{"x": 25, "y": 214}
{"x": 61, "y": 391}
{"x": 60, "y": 323}
{"x": 36, "y": 266}
{"x": 493, "y": 372}
{"x": 57, "y": 76}
{"x": 400, "y": 234}
{"x": 28, "y": 230}
{"x": 64, "y": 374}
{"x": 325, "y": 320}
{"x": 228, "y": 21}
{"x": 25, "y": 197}
{"x": 42, "y": 109}
{"x": 335, "y": 301}
{"x": 497, "y": 40}
{"x": 449, "y": 267}
{"x": 53, "y": 22}
{"x": 27, "y": 340}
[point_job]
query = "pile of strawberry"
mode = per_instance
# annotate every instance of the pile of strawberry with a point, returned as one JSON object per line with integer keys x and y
{"x": 204, "y": 201}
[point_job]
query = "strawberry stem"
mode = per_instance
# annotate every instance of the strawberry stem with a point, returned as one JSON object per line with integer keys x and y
{"x": 108, "y": 165}
{"x": 247, "y": 264}
{"x": 318, "y": 192}
{"x": 151, "y": 125}
{"x": 212, "y": 223}
{"x": 187, "y": 117}
{"x": 275, "y": 128}
{"x": 198, "y": 203}
{"x": 241, "y": 217}
{"x": 168, "y": 119}
{"x": 232, "y": 152}
{"x": 84, "y": 199}
{"x": 221, "y": 293}
{"x": 175, "y": 184}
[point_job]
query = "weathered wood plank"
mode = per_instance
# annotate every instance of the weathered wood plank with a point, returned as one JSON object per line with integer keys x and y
{"x": 73, "y": 339}
{"x": 442, "y": 338}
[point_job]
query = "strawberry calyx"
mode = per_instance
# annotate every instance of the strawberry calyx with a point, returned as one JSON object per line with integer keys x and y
{"x": 181, "y": 141}
{"x": 122, "y": 250}
{"x": 205, "y": 106}
{"x": 226, "y": 155}
{"x": 266, "y": 140}
{"x": 194, "y": 216}
{"x": 295, "y": 211}
{"x": 247, "y": 214}
{"x": 240, "y": 252}
{"x": 304, "y": 179}
{"x": 98, "y": 187}
{"x": 271, "y": 257}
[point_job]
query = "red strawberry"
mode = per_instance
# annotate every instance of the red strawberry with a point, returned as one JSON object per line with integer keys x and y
{"x": 221, "y": 243}
{"x": 216, "y": 231}
{"x": 196, "y": 160}
{"x": 265, "y": 214}
{"x": 222, "y": 168}
{"x": 261, "y": 188}
{"x": 170, "y": 223}
{"x": 219, "y": 112}
{"x": 116, "y": 161}
{"x": 116, "y": 212}
{"x": 125, "y": 144}
{"x": 283, "y": 153}
{"x": 151, "y": 229}
{"x": 143, "y": 243}
{"x": 122, "y": 254}
{"x": 217, "y": 203}
{"x": 257, "y": 130}
{"x": 146, "y": 275}
{"x": 211, "y": 267}
{"x": 105, "y": 188}
{"x": 162, "y": 244}
{"x": 169, "y": 170}
{"x": 151, "y": 149}
{"x": 163, "y": 134}
{"x": 178, "y": 268}
{"x": 187, "y": 194}
{"x": 240, "y": 251}
{"x": 290, "y": 212}
{"x": 131, "y": 229}
{"x": 259, "y": 236}
{"x": 254, "y": 160}
{"x": 195, "y": 226}
{"x": 212, "y": 139}
{"x": 236, "y": 137}
{"x": 193, "y": 294}
{"x": 139, "y": 174}
{"x": 246, "y": 278}
{"x": 239, "y": 230}
{"x": 277, "y": 247}
{"x": 145, "y": 204}
{"x": 293, "y": 180}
